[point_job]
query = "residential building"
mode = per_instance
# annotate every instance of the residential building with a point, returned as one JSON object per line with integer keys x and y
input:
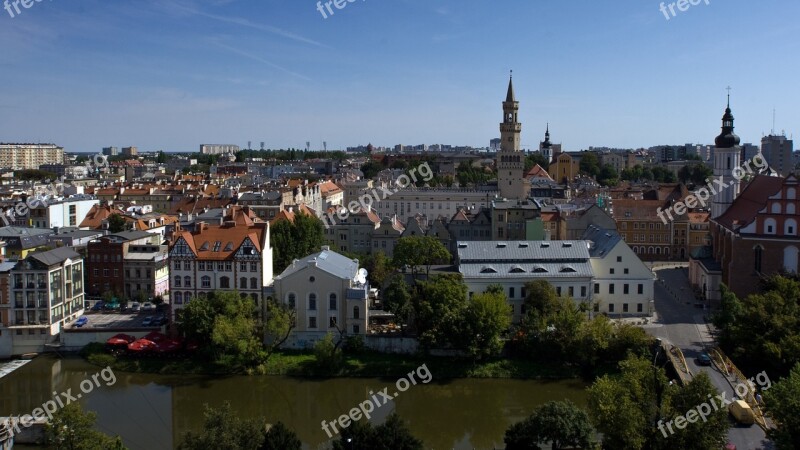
{"x": 580, "y": 221}
{"x": 146, "y": 269}
{"x": 130, "y": 151}
{"x": 218, "y": 149}
{"x": 29, "y": 156}
{"x": 66, "y": 171}
{"x": 110, "y": 151}
{"x": 354, "y": 233}
{"x": 68, "y": 212}
{"x": 516, "y": 221}
{"x": 22, "y": 241}
{"x": 777, "y": 150}
{"x": 105, "y": 264}
{"x": 385, "y": 236}
{"x": 327, "y": 295}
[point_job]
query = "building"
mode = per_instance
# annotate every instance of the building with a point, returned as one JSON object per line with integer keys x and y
{"x": 727, "y": 156}
{"x": 546, "y": 147}
{"x": 22, "y": 241}
{"x": 69, "y": 212}
{"x": 565, "y": 167}
{"x": 623, "y": 285}
{"x": 510, "y": 158}
{"x": 46, "y": 294}
{"x": 516, "y": 221}
{"x": 29, "y": 156}
{"x": 105, "y": 264}
{"x": 431, "y": 202}
{"x": 146, "y": 268}
{"x": 777, "y": 150}
{"x": 218, "y": 149}
{"x": 327, "y": 296}
{"x": 66, "y": 171}
{"x": 580, "y": 221}
{"x": 110, "y": 151}
{"x": 564, "y": 264}
{"x": 235, "y": 256}
{"x": 354, "y": 233}
{"x": 130, "y": 151}
{"x": 385, "y": 236}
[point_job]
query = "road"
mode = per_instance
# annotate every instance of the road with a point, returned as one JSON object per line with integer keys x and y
{"x": 681, "y": 323}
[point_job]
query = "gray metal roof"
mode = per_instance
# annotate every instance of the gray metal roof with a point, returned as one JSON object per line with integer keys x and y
{"x": 602, "y": 240}
{"x": 527, "y": 270}
{"x": 56, "y": 256}
{"x": 522, "y": 251}
{"x": 329, "y": 261}
{"x": 132, "y": 235}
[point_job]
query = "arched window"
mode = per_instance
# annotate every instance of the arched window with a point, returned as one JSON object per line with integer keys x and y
{"x": 356, "y": 312}
{"x": 790, "y": 259}
{"x": 187, "y": 296}
{"x": 253, "y": 283}
{"x": 178, "y": 298}
{"x": 177, "y": 281}
{"x": 292, "y": 300}
{"x": 757, "y": 254}
{"x": 790, "y": 227}
{"x": 332, "y": 302}
{"x": 187, "y": 281}
{"x": 312, "y": 301}
{"x": 205, "y": 281}
{"x": 769, "y": 226}
{"x": 225, "y": 283}
{"x": 776, "y": 208}
{"x": 790, "y": 208}
{"x": 243, "y": 283}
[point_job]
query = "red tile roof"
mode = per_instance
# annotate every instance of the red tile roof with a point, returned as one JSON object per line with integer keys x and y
{"x": 747, "y": 205}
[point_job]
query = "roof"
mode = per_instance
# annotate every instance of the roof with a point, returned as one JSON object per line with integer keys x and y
{"x": 327, "y": 260}
{"x": 526, "y": 270}
{"x": 215, "y": 242}
{"x": 753, "y": 199}
{"x": 522, "y": 251}
{"x": 56, "y": 256}
{"x": 131, "y": 235}
{"x": 603, "y": 241}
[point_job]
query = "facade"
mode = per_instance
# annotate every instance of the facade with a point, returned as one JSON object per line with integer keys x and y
{"x": 564, "y": 168}
{"x": 516, "y": 221}
{"x": 233, "y": 257}
{"x": 20, "y": 241}
{"x": 105, "y": 264}
{"x": 385, "y": 236}
{"x": 146, "y": 270}
{"x": 326, "y": 295}
{"x": 564, "y": 264}
{"x": 110, "y": 151}
{"x": 623, "y": 285}
{"x": 66, "y": 171}
{"x": 29, "y": 156}
{"x": 46, "y": 293}
{"x": 510, "y": 158}
{"x": 580, "y": 221}
{"x": 408, "y": 203}
{"x": 218, "y": 149}
{"x": 354, "y": 233}
{"x": 778, "y": 150}
{"x": 68, "y": 212}
{"x": 130, "y": 151}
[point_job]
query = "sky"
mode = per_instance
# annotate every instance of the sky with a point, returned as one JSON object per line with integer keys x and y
{"x": 173, "y": 74}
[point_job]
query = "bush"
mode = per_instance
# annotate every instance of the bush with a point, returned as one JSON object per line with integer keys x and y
{"x": 328, "y": 357}
{"x": 355, "y": 344}
{"x": 101, "y": 359}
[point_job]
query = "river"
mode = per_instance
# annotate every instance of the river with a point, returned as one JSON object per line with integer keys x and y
{"x": 152, "y": 412}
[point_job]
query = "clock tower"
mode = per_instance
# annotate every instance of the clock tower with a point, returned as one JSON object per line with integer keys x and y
{"x": 510, "y": 159}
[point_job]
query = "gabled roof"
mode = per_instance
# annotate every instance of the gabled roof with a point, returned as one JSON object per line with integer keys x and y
{"x": 753, "y": 199}
{"x": 327, "y": 260}
{"x": 55, "y": 256}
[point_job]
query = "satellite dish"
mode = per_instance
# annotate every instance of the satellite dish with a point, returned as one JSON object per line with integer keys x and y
{"x": 361, "y": 277}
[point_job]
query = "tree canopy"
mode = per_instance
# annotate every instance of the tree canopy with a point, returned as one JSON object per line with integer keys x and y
{"x": 391, "y": 435}
{"x": 558, "y": 424}
{"x": 295, "y": 240}
{"x": 419, "y": 252}
{"x": 73, "y": 429}
{"x": 783, "y": 403}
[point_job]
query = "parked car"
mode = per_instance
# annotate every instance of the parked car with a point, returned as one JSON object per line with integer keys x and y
{"x": 162, "y": 320}
{"x": 82, "y": 320}
{"x": 742, "y": 412}
{"x": 704, "y": 360}
{"x": 148, "y": 321}
{"x": 98, "y": 306}
{"x": 147, "y": 306}
{"x": 136, "y": 307}
{"x": 111, "y": 306}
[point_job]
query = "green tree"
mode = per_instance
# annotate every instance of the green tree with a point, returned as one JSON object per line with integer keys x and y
{"x": 534, "y": 158}
{"x": 280, "y": 321}
{"x": 700, "y": 435}
{"x": 161, "y": 158}
{"x": 378, "y": 267}
{"x": 608, "y": 176}
{"x": 487, "y": 317}
{"x": 590, "y": 164}
{"x": 541, "y": 297}
{"x": 783, "y": 403}
{"x": 391, "y": 435}
{"x": 116, "y": 223}
{"x": 559, "y": 424}
{"x": 73, "y": 429}
{"x": 279, "y": 437}
{"x": 327, "y": 355}
{"x": 440, "y": 305}
{"x": 371, "y": 169}
{"x": 295, "y": 240}
{"x": 224, "y": 430}
{"x": 397, "y": 299}
{"x": 417, "y": 252}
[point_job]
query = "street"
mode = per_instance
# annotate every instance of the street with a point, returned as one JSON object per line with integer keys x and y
{"x": 681, "y": 323}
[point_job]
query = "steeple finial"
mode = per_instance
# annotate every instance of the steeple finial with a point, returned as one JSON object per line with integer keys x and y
{"x": 729, "y": 96}
{"x": 510, "y": 96}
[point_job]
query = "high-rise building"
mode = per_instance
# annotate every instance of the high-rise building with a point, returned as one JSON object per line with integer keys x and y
{"x": 29, "y": 156}
{"x": 777, "y": 150}
{"x": 110, "y": 151}
{"x": 727, "y": 156}
{"x": 510, "y": 158}
{"x": 130, "y": 151}
{"x": 218, "y": 149}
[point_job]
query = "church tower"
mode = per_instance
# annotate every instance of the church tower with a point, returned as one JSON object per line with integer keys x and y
{"x": 727, "y": 155}
{"x": 510, "y": 159}
{"x": 546, "y": 147}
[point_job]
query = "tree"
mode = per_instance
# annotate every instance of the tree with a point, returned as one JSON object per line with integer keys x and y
{"x": 377, "y": 266}
{"x": 534, "y": 158}
{"x": 279, "y": 437}
{"x": 783, "y": 402}
{"x": 280, "y": 321}
{"x": 224, "y": 430}
{"x": 589, "y": 164}
{"x": 397, "y": 299}
{"x": 116, "y": 223}
{"x": 72, "y": 429}
{"x": 161, "y": 158}
{"x": 327, "y": 355}
{"x": 391, "y": 435}
{"x": 371, "y": 169}
{"x": 439, "y": 306}
{"x": 608, "y": 176}
{"x": 560, "y": 424}
{"x": 419, "y": 251}
{"x": 700, "y": 435}
{"x": 487, "y": 317}
{"x": 294, "y": 240}
{"x": 541, "y": 297}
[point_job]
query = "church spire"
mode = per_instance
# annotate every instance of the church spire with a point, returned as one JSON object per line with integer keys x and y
{"x": 727, "y": 138}
{"x": 510, "y": 95}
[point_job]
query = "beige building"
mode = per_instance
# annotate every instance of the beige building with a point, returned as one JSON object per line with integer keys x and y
{"x": 327, "y": 296}
{"x": 510, "y": 158}
{"x": 29, "y": 156}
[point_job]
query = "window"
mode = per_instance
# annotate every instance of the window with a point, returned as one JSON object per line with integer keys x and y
{"x": 312, "y": 301}
{"x": 611, "y": 271}
{"x": 292, "y": 300}
{"x": 187, "y": 281}
{"x": 583, "y": 291}
{"x": 356, "y": 312}
{"x": 626, "y": 271}
{"x": 511, "y": 292}
{"x": 178, "y": 298}
{"x": 225, "y": 283}
{"x": 177, "y": 281}
{"x": 312, "y": 322}
{"x": 639, "y": 307}
{"x": 356, "y": 329}
{"x": 769, "y": 226}
{"x": 187, "y": 265}
{"x": 558, "y": 291}
{"x": 619, "y": 258}
{"x": 624, "y": 307}
{"x": 611, "y": 307}
{"x": 242, "y": 283}
{"x": 96, "y": 272}
{"x": 625, "y": 288}
{"x": 597, "y": 288}
{"x": 332, "y": 322}
{"x": 106, "y": 272}
{"x": 640, "y": 289}
{"x": 253, "y": 283}
{"x": 228, "y": 266}
{"x": 611, "y": 288}
{"x": 205, "y": 281}
{"x": 332, "y": 302}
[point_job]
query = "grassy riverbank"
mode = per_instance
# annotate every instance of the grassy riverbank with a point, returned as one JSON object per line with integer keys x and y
{"x": 367, "y": 365}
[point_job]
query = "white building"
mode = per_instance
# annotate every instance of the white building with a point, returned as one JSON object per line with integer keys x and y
{"x": 29, "y": 156}
{"x": 623, "y": 284}
{"x": 68, "y": 212}
{"x": 327, "y": 296}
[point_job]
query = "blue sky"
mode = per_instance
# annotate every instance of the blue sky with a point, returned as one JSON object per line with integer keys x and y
{"x": 172, "y": 74}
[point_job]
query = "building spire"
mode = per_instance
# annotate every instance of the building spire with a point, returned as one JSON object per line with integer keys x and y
{"x": 510, "y": 96}
{"x": 727, "y": 138}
